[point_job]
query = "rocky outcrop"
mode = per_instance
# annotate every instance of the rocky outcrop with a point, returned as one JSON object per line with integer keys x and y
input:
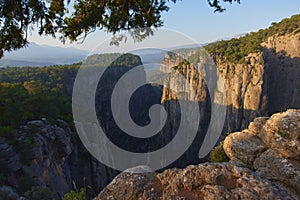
{"x": 271, "y": 147}
{"x": 9, "y": 160}
{"x": 49, "y": 155}
{"x": 264, "y": 165}
{"x": 205, "y": 181}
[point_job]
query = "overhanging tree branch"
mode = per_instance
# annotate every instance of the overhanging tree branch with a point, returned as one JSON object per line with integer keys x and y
{"x": 52, "y": 17}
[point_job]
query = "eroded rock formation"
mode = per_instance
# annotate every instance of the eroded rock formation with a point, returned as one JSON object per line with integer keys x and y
{"x": 205, "y": 181}
{"x": 49, "y": 155}
{"x": 271, "y": 147}
{"x": 264, "y": 165}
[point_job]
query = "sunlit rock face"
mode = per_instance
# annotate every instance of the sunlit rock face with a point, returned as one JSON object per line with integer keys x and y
{"x": 264, "y": 165}
{"x": 264, "y": 83}
{"x": 204, "y": 181}
{"x": 271, "y": 147}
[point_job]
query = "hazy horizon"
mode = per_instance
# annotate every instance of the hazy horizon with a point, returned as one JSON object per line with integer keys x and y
{"x": 196, "y": 20}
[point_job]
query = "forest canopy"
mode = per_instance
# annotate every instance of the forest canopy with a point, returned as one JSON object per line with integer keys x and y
{"x": 30, "y": 93}
{"x": 236, "y": 49}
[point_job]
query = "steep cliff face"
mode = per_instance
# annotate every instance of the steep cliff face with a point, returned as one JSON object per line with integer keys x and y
{"x": 264, "y": 83}
{"x": 140, "y": 102}
{"x": 282, "y": 58}
{"x": 244, "y": 85}
{"x": 49, "y": 155}
{"x": 185, "y": 83}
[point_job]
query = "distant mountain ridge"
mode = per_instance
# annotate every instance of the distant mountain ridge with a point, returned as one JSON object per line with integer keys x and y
{"x": 42, "y": 55}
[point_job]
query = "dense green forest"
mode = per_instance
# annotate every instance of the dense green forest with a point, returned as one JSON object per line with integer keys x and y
{"x": 113, "y": 59}
{"x": 55, "y": 78}
{"x": 236, "y": 49}
{"x": 30, "y": 93}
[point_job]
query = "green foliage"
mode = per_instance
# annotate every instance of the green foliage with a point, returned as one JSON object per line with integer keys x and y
{"x": 31, "y": 93}
{"x": 38, "y": 193}
{"x": 127, "y": 60}
{"x": 236, "y": 49}
{"x": 55, "y": 78}
{"x": 101, "y": 59}
{"x": 218, "y": 7}
{"x": 7, "y": 132}
{"x": 74, "y": 20}
{"x": 180, "y": 66}
{"x": 112, "y": 59}
{"x": 19, "y": 104}
{"x": 76, "y": 195}
{"x": 218, "y": 154}
{"x": 283, "y": 134}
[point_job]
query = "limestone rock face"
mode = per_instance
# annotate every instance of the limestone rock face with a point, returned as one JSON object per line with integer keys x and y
{"x": 282, "y": 57}
{"x": 47, "y": 155}
{"x": 289, "y": 44}
{"x": 264, "y": 83}
{"x": 271, "y": 147}
{"x": 243, "y": 152}
{"x": 205, "y": 181}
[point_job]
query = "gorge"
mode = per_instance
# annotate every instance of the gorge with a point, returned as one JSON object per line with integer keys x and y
{"x": 48, "y": 153}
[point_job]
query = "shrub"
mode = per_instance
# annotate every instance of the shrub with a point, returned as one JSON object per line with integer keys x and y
{"x": 283, "y": 134}
{"x": 218, "y": 154}
{"x": 7, "y": 132}
{"x": 76, "y": 195}
{"x": 38, "y": 193}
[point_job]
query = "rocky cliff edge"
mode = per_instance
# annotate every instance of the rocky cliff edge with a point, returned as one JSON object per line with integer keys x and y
{"x": 264, "y": 165}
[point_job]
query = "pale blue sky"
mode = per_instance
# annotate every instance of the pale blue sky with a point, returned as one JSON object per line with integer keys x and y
{"x": 195, "y": 19}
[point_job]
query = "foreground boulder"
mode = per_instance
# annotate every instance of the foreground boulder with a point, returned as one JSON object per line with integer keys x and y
{"x": 271, "y": 147}
{"x": 205, "y": 181}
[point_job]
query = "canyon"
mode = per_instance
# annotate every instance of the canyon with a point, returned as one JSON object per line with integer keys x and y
{"x": 51, "y": 155}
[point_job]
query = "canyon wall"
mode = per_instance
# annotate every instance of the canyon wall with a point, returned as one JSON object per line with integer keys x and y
{"x": 50, "y": 155}
{"x": 264, "y": 83}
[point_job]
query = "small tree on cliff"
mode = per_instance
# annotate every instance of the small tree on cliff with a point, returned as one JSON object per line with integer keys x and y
{"x": 75, "y": 22}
